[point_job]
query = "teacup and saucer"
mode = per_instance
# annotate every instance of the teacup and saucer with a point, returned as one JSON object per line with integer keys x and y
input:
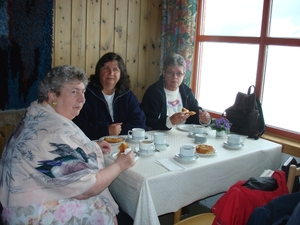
{"x": 186, "y": 154}
{"x": 136, "y": 134}
{"x": 160, "y": 140}
{"x": 146, "y": 147}
{"x": 234, "y": 141}
{"x": 196, "y": 129}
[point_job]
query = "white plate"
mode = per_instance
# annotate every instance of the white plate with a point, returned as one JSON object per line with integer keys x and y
{"x": 233, "y": 147}
{"x": 113, "y": 156}
{"x": 184, "y": 127}
{"x": 137, "y": 151}
{"x": 185, "y": 161}
{"x": 117, "y": 143}
{"x": 136, "y": 141}
{"x": 162, "y": 148}
{"x": 206, "y": 155}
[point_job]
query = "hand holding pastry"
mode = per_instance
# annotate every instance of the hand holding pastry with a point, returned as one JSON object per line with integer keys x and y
{"x": 178, "y": 118}
{"x": 125, "y": 156}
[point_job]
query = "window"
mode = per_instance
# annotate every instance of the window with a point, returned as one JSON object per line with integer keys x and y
{"x": 250, "y": 42}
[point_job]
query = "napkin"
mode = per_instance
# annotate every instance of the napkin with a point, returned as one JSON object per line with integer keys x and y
{"x": 127, "y": 150}
{"x": 170, "y": 164}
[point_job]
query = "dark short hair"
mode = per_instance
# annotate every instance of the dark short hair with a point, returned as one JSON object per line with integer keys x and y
{"x": 124, "y": 82}
{"x": 57, "y": 78}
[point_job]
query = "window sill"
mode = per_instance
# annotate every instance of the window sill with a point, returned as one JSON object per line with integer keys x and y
{"x": 289, "y": 146}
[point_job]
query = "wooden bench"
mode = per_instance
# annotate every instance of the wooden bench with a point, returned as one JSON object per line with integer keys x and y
{"x": 8, "y": 121}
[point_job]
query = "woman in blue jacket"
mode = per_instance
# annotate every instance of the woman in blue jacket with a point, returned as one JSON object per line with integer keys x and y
{"x": 111, "y": 108}
{"x": 163, "y": 101}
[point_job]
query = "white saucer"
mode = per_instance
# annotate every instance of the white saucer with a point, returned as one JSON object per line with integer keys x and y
{"x": 136, "y": 141}
{"x": 162, "y": 148}
{"x": 187, "y": 160}
{"x": 233, "y": 147}
{"x": 114, "y": 156}
{"x": 184, "y": 127}
{"x": 137, "y": 151}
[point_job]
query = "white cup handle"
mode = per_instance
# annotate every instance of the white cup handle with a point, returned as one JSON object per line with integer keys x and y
{"x": 242, "y": 140}
{"x": 130, "y": 133}
{"x": 153, "y": 146}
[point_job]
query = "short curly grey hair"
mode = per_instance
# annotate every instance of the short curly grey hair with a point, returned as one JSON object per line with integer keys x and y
{"x": 57, "y": 78}
{"x": 174, "y": 60}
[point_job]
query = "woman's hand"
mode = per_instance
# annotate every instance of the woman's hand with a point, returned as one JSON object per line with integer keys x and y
{"x": 125, "y": 161}
{"x": 115, "y": 128}
{"x": 204, "y": 117}
{"x": 105, "y": 146}
{"x": 178, "y": 118}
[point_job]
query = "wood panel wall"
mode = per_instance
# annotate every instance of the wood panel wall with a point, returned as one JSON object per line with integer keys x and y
{"x": 84, "y": 30}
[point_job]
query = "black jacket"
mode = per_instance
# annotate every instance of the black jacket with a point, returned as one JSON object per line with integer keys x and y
{"x": 155, "y": 106}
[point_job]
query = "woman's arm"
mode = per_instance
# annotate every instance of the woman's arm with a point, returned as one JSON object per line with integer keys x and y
{"x": 107, "y": 175}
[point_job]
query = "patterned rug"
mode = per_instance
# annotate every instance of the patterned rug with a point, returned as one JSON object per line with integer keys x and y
{"x": 26, "y": 29}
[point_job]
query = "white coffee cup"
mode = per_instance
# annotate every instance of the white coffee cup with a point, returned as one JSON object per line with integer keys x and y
{"x": 187, "y": 151}
{"x": 235, "y": 139}
{"x": 200, "y": 138}
{"x": 136, "y": 134}
{"x": 197, "y": 129}
{"x": 146, "y": 146}
{"x": 160, "y": 139}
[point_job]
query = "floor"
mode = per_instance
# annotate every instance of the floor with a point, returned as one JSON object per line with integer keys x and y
{"x": 190, "y": 210}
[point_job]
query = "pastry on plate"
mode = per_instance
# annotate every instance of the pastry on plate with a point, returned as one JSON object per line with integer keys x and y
{"x": 205, "y": 149}
{"x": 113, "y": 139}
{"x": 184, "y": 110}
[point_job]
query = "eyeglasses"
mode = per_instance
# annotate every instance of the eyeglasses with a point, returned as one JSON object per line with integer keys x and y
{"x": 171, "y": 73}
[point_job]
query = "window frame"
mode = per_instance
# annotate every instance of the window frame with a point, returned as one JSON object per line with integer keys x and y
{"x": 263, "y": 41}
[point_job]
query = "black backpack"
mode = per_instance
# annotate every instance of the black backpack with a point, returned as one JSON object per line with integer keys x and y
{"x": 246, "y": 115}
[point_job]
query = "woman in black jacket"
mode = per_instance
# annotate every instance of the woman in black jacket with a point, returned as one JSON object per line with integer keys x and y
{"x": 163, "y": 101}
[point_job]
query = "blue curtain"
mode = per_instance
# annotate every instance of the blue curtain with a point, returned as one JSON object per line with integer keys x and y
{"x": 178, "y": 31}
{"x": 25, "y": 49}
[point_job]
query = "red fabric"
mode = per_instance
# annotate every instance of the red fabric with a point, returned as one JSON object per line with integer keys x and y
{"x": 237, "y": 204}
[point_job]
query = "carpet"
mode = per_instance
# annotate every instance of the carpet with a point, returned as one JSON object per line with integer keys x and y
{"x": 26, "y": 29}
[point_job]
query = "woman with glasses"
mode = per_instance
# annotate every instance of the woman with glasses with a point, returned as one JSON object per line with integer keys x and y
{"x": 111, "y": 108}
{"x": 163, "y": 101}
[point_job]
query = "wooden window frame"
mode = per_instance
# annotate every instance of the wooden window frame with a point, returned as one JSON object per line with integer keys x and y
{"x": 263, "y": 41}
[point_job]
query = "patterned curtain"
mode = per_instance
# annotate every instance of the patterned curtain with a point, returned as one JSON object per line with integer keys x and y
{"x": 178, "y": 31}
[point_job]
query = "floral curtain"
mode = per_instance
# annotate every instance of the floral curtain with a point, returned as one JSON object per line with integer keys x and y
{"x": 178, "y": 31}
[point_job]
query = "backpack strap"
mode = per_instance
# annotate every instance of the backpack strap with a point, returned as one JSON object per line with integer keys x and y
{"x": 249, "y": 89}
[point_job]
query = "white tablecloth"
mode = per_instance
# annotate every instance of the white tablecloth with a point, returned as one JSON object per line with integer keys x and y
{"x": 148, "y": 190}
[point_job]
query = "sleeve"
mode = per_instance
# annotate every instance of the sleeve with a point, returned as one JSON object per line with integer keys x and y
{"x": 191, "y": 103}
{"x": 89, "y": 119}
{"x": 135, "y": 116}
{"x": 154, "y": 106}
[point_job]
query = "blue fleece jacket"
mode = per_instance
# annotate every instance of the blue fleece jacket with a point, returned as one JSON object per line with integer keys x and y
{"x": 155, "y": 106}
{"x": 94, "y": 118}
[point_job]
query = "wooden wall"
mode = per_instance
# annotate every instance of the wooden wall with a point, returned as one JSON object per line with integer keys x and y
{"x": 86, "y": 29}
